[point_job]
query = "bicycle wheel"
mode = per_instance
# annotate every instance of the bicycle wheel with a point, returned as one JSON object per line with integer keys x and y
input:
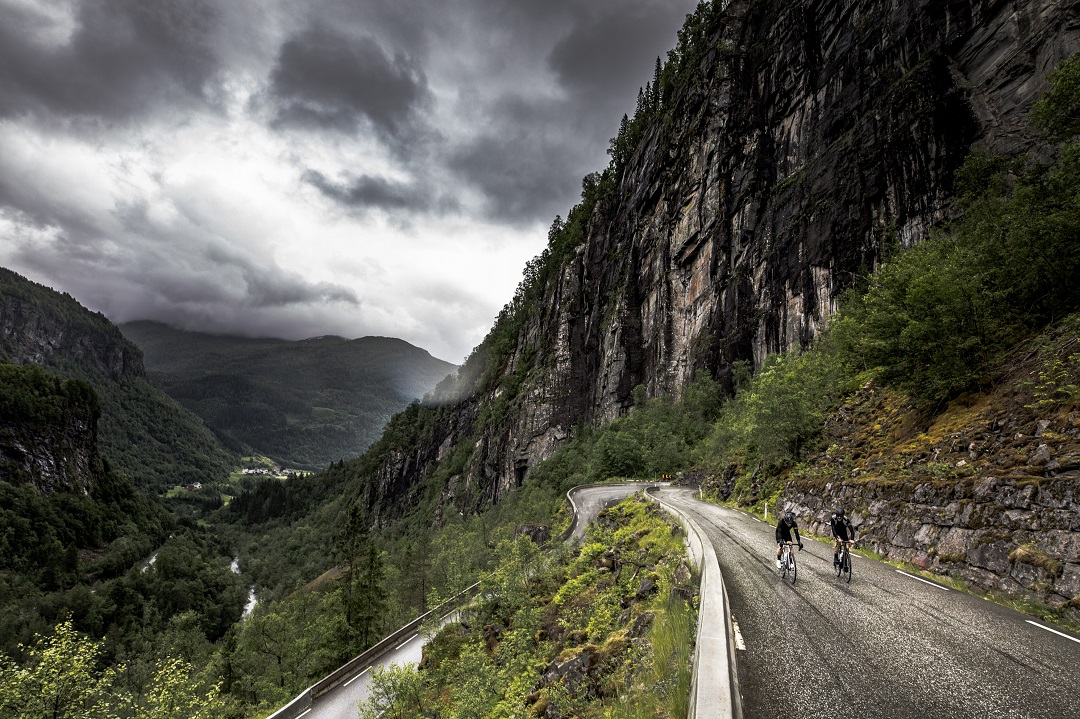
{"x": 793, "y": 566}
{"x": 845, "y": 565}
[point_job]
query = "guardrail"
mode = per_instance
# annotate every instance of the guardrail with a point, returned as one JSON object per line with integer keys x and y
{"x": 360, "y": 662}
{"x": 715, "y": 632}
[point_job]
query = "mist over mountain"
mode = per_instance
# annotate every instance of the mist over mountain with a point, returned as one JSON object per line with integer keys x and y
{"x": 304, "y": 403}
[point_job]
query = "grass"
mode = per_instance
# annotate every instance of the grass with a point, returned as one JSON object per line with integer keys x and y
{"x": 662, "y": 685}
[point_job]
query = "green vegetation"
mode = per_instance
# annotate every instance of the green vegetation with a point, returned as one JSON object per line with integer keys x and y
{"x": 604, "y": 631}
{"x": 63, "y": 679}
{"x": 671, "y": 82}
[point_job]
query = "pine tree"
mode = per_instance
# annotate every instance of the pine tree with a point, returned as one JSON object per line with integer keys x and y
{"x": 657, "y": 100}
{"x": 365, "y": 595}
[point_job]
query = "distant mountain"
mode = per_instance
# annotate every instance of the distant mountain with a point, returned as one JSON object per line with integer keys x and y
{"x": 305, "y": 403}
{"x": 143, "y": 432}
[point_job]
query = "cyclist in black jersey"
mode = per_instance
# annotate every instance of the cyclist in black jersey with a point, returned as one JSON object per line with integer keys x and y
{"x": 842, "y": 531}
{"x": 784, "y": 530}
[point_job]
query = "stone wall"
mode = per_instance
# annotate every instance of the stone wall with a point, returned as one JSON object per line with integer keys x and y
{"x": 1016, "y": 537}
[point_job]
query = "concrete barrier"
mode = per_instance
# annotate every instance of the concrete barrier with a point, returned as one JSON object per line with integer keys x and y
{"x": 714, "y": 689}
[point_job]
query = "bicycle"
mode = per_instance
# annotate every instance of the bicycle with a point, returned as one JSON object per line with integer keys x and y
{"x": 843, "y": 569}
{"x": 787, "y": 563}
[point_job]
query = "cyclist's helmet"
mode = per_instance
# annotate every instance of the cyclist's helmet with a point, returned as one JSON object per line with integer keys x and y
{"x": 839, "y": 511}
{"x": 789, "y": 518}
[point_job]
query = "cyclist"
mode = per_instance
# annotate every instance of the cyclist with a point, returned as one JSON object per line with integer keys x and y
{"x": 842, "y": 531}
{"x": 783, "y": 535}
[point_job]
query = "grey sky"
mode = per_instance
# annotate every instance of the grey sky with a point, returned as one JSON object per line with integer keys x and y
{"x": 264, "y": 167}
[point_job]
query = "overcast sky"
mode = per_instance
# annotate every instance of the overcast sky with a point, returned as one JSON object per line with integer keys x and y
{"x": 294, "y": 169}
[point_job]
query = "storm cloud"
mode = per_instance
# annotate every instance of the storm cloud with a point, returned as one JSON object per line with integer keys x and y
{"x": 110, "y": 59}
{"x": 331, "y": 167}
{"x": 367, "y": 192}
{"x": 327, "y": 80}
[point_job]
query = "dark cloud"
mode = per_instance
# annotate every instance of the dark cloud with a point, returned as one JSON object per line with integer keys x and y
{"x": 608, "y": 56}
{"x": 367, "y": 192}
{"x": 530, "y": 156}
{"x": 121, "y": 57}
{"x": 327, "y": 80}
{"x": 524, "y": 170}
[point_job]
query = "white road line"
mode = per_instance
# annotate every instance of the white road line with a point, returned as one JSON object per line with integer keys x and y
{"x": 399, "y": 646}
{"x": 1060, "y": 634}
{"x": 354, "y": 678}
{"x": 739, "y": 643}
{"x": 304, "y": 712}
{"x": 757, "y": 520}
{"x": 924, "y": 581}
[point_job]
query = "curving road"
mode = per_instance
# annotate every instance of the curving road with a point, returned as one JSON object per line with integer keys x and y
{"x": 886, "y": 645}
{"x": 587, "y": 501}
{"x": 341, "y": 702}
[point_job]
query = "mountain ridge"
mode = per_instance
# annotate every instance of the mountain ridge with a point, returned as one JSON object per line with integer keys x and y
{"x": 142, "y": 431}
{"x": 304, "y": 402}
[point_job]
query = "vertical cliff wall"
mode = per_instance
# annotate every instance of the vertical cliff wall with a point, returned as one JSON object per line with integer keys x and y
{"x": 811, "y": 136}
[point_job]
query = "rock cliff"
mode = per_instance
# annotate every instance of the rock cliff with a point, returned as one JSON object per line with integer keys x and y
{"x": 48, "y": 431}
{"x": 42, "y": 327}
{"x": 809, "y": 137}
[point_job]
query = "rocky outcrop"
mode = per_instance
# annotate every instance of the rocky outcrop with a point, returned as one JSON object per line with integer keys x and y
{"x": 48, "y": 432}
{"x": 811, "y": 136}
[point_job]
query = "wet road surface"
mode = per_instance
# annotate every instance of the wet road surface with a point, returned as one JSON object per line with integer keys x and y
{"x": 885, "y": 645}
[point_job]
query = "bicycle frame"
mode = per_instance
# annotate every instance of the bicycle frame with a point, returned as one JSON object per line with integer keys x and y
{"x": 787, "y": 562}
{"x": 843, "y": 569}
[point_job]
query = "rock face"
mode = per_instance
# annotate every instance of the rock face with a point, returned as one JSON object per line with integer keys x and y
{"x": 48, "y": 432}
{"x": 814, "y": 135}
{"x": 42, "y": 327}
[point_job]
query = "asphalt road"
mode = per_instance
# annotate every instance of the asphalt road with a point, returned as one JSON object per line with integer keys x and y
{"x": 885, "y": 645}
{"x": 589, "y": 500}
{"x": 341, "y": 702}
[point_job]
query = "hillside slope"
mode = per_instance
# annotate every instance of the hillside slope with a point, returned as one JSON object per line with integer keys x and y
{"x": 986, "y": 491}
{"x": 304, "y": 403}
{"x": 155, "y": 441}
